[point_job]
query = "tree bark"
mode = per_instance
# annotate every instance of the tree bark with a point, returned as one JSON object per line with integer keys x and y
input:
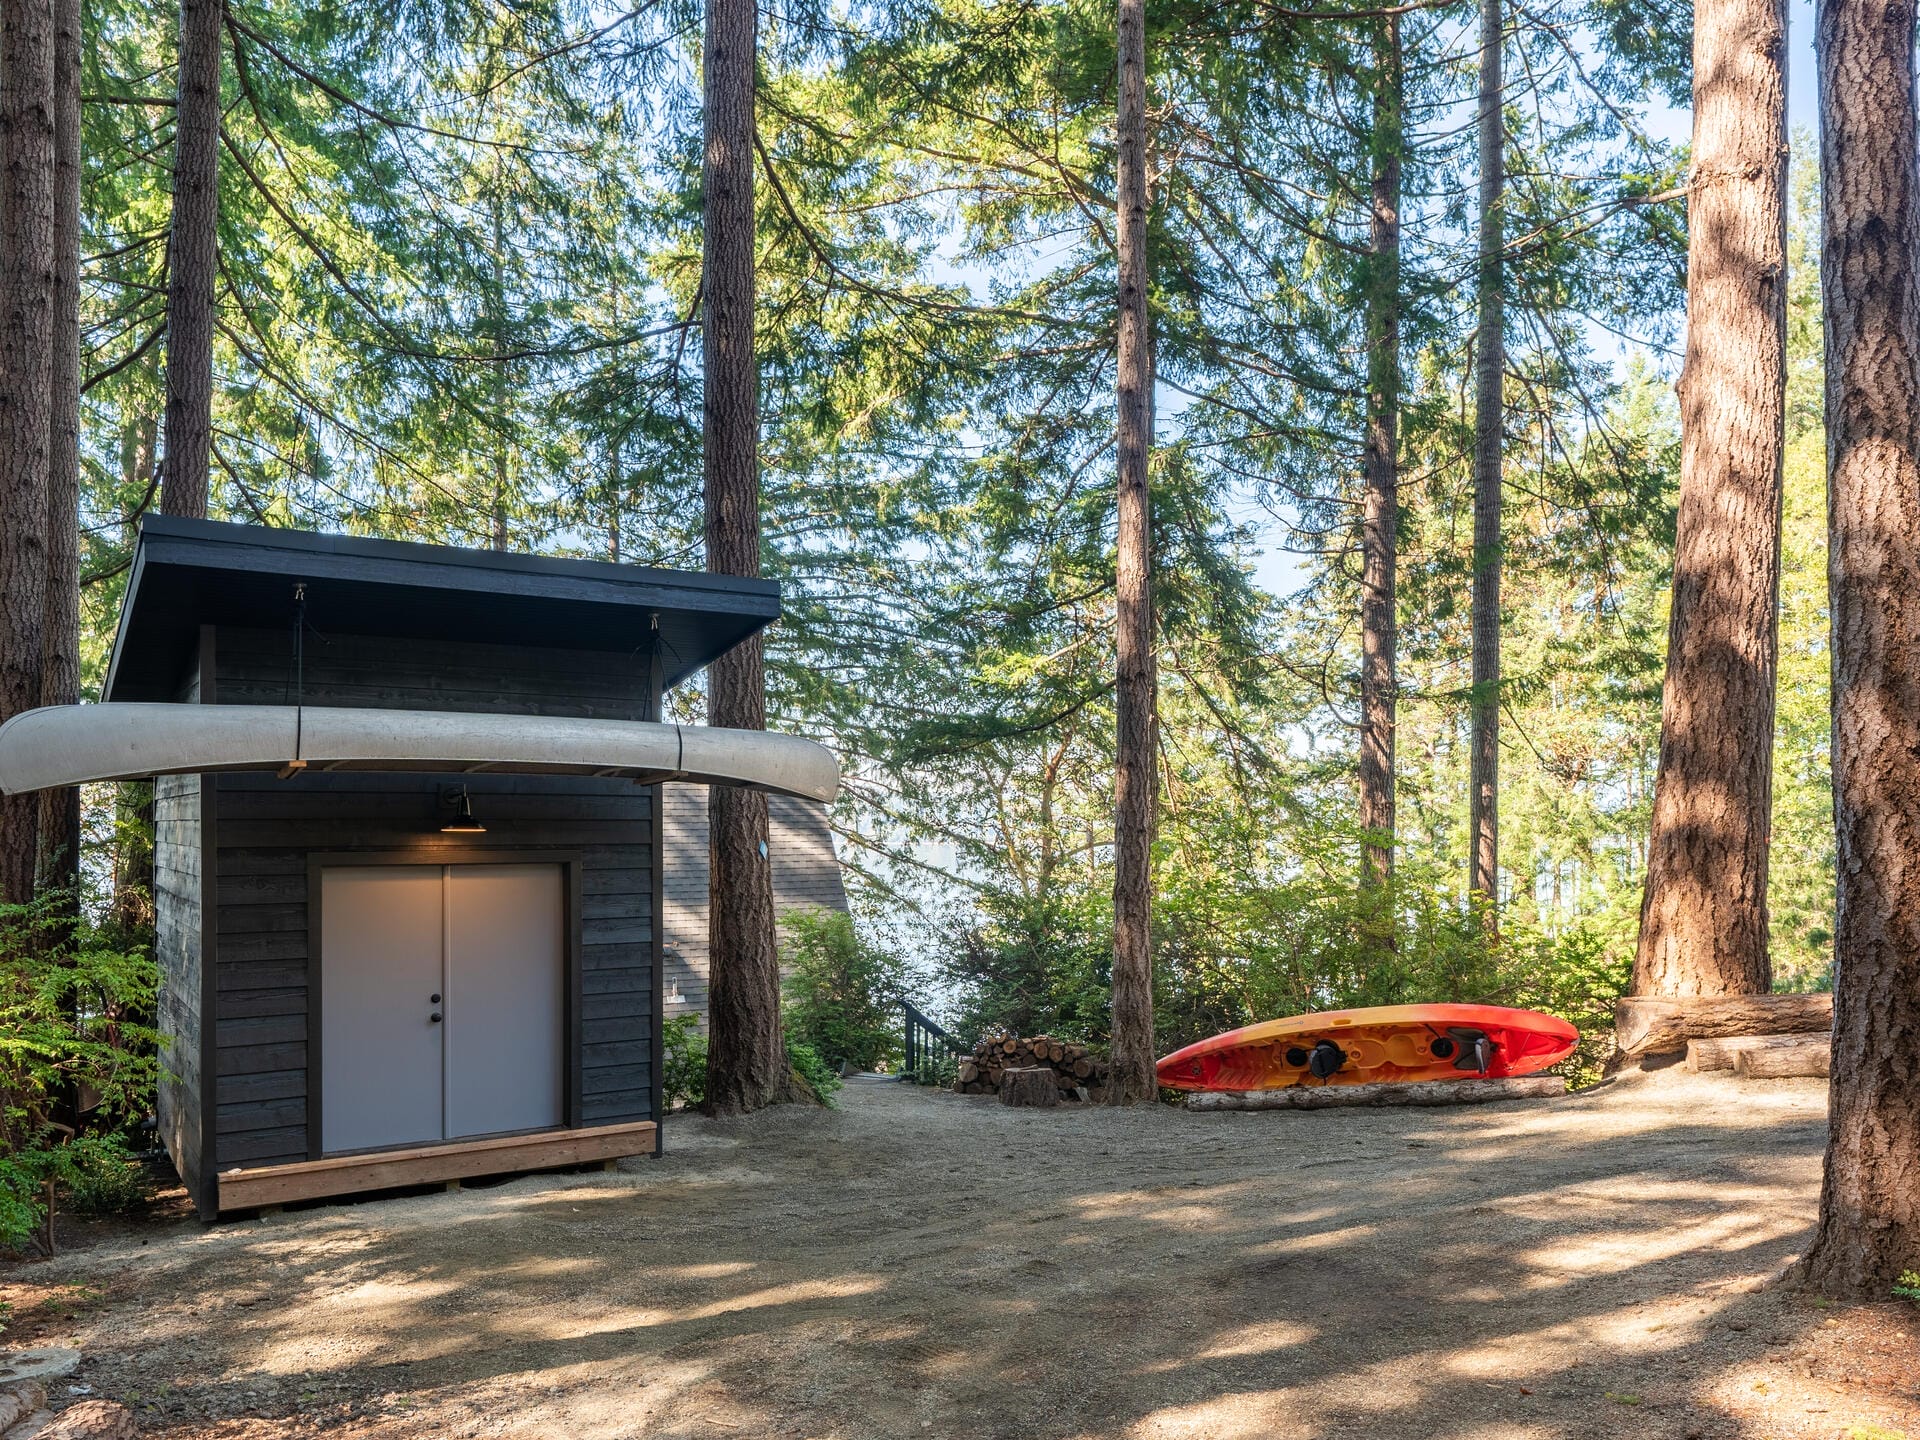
{"x": 746, "y": 1052}
{"x": 191, "y": 259}
{"x": 26, "y": 392}
{"x": 1413, "y": 1092}
{"x": 1489, "y": 433}
{"x": 1870, "y": 198}
{"x": 1380, "y": 514}
{"x": 59, "y": 837}
{"x": 1786, "y": 1057}
{"x": 1134, "y": 771}
{"x": 1703, "y": 921}
{"x": 133, "y": 800}
{"x": 1657, "y": 1026}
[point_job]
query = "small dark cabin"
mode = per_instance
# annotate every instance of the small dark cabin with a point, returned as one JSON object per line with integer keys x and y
{"x": 377, "y": 977}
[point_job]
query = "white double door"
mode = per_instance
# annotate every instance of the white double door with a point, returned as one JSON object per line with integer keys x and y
{"x": 442, "y": 1002}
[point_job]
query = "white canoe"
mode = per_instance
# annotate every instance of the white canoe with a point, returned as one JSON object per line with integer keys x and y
{"x": 77, "y": 744}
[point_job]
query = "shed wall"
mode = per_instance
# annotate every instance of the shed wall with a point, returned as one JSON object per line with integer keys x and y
{"x": 177, "y": 920}
{"x": 269, "y": 827}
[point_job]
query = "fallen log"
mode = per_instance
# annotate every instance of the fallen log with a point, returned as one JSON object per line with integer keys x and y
{"x": 1658, "y": 1025}
{"x": 1704, "y": 1055}
{"x": 1789, "y": 1057}
{"x": 1029, "y": 1085}
{"x": 1418, "y": 1092}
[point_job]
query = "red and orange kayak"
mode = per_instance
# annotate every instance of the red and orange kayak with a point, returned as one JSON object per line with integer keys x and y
{"x": 1387, "y": 1043}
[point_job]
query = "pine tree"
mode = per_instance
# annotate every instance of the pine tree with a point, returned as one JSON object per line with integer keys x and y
{"x": 1135, "y": 763}
{"x": 1489, "y": 443}
{"x": 1869, "y": 1231}
{"x": 746, "y": 1054}
{"x": 192, "y": 257}
{"x": 1703, "y": 927}
{"x": 27, "y": 327}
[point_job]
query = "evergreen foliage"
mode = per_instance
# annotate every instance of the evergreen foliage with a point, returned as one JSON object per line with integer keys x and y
{"x": 458, "y": 302}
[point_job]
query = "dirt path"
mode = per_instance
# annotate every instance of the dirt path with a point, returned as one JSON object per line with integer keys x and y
{"x": 919, "y": 1264}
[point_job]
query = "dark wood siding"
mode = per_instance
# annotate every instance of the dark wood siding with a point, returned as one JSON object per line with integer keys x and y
{"x": 177, "y": 917}
{"x": 269, "y": 827}
{"x": 256, "y": 667}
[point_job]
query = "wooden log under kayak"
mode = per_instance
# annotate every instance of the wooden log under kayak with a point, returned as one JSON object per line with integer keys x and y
{"x": 1418, "y": 1092}
{"x": 1658, "y": 1025}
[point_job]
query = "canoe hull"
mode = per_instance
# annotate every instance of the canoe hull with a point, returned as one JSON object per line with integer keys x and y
{"x": 1384, "y": 1044}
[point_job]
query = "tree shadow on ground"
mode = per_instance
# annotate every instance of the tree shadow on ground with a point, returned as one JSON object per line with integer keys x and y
{"x": 927, "y": 1265}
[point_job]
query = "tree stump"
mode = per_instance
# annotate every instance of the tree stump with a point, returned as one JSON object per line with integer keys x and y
{"x": 1029, "y": 1085}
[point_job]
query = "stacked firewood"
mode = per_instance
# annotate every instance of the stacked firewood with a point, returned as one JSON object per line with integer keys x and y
{"x": 1078, "y": 1073}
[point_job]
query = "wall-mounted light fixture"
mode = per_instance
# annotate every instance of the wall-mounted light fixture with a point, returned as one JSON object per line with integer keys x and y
{"x": 463, "y": 821}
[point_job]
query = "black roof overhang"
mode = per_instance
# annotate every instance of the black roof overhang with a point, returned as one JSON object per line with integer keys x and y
{"x": 189, "y": 573}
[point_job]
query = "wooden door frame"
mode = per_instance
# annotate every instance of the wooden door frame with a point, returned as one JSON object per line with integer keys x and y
{"x": 570, "y": 862}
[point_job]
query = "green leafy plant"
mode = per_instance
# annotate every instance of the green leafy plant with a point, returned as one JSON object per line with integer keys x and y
{"x": 942, "y": 1071}
{"x": 685, "y": 1078}
{"x": 842, "y": 993}
{"x": 819, "y": 1076}
{"x": 102, "y": 1177}
{"x": 1908, "y": 1286}
{"x": 69, "y": 1003}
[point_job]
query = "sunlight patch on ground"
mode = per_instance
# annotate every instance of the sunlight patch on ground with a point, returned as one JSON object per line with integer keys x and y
{"x": 1319, "y": 1240}
{"x": 1608, "y": 1252}
{"x": 1259, "y": 1340}
{"x": 800, "y": 1292}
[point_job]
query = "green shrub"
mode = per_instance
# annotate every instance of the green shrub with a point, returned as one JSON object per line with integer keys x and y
{"x": 1909, "y": 1286}
{"x": 68, "y": 1007}
{"x": 942, "y": 1071}
{"x": 685, "y": 1079}
{"x": 820, "y": 1077}
{"x": 842, "y": 994}
{"x": 1035, "y": 967}
{"x": 104, "y": 1178}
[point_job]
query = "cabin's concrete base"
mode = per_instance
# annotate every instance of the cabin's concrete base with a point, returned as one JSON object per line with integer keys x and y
{"x": 430, "y": 1164}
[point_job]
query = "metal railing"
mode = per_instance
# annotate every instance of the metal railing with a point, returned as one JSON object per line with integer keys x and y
{"x": 927, "y": 1040}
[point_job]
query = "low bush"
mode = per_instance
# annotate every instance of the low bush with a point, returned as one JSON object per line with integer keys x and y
{"x": 685, "y": 1077}
{"x": 70, "y": 1008}
{"x": 820, "y": 1077}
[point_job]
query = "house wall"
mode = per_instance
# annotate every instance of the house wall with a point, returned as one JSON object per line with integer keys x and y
{"x": 267, "y": 829}
{"x": 177, "y": 917}
{"x": 806, "y": 873}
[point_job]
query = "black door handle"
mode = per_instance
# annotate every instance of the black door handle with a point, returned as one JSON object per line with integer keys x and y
{"x": 433, "y": 999}
{"x": 434, "y": 1017}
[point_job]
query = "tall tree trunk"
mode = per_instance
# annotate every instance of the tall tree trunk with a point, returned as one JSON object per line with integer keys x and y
{"x": 1703, "y": 922}
{"x": 191, "y": 259}
{"x": 26, "y": 391}
{"x": 746, "y": 1053}
{"x": 133, "y": 799}
{"x": 60, "y": 676}
{"x": 1870, "y": 292}
{"x": 1489, "y": 416}
{"x": 616, "y": 498}
{"x": 1380, "y": 513}
{"x": 1134, "y": 771}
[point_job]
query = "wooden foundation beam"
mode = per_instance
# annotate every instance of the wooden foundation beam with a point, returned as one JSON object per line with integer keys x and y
{"x": 430, "y": 1164}
{"x": 1419, "y": 1092}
